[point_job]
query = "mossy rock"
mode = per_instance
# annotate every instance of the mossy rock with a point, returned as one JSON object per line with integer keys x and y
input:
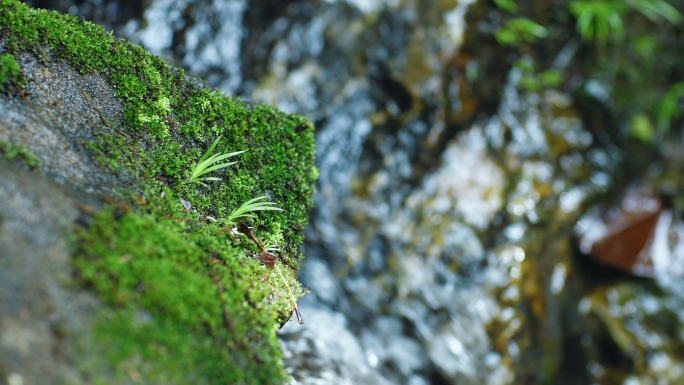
{"x": 129, "y": 273}
{"x": 9, "y": 73}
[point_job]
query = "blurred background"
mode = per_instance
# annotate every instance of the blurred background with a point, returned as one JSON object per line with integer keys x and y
{"x": 500, "y": 181}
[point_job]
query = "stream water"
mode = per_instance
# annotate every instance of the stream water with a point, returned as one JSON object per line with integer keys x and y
{"x": 440, "y": 247}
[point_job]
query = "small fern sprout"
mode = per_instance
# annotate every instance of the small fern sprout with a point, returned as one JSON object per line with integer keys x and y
{"x": 247, "y": 209}
{"x": 207, "y": 164}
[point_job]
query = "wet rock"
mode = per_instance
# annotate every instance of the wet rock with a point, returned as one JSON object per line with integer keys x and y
{"x": 322, "y": 284}
{"x": 640, "y": 326}
{"x": 324, "y": 351}
{"x": 451, "y": 178}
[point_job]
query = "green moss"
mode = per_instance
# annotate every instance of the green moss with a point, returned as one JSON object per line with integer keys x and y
{"x": 168, "y": 121}
{"x": 186, "y": 358}
{"x": 153, "y": 263}
{"x": 15, "y": 152}
{"x": 9, "y": 73}
{"x": 185, "y": 271}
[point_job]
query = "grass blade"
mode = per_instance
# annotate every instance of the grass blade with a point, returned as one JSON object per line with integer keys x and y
{"x": 207, "y": 164}
{"x": 251, "y": 206}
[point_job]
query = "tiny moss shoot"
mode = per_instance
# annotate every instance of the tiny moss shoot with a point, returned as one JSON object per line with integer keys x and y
{"x": 15, "y": 152}
{"x": 9, "y": 74}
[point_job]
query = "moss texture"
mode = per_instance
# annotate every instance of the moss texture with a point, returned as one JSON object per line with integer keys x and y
{"x": 211, "y": 310}
{"x": 9, "y": 73}
{"x": 18, "y": 153}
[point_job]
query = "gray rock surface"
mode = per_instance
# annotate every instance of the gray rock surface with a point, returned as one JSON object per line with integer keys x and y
{"x": 64, "y": 108}
{"x": 40, "y": 311}
{"x": 43, "y": 317}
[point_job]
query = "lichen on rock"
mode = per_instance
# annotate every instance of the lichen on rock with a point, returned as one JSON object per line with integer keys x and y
{"x": 115, "y": 131}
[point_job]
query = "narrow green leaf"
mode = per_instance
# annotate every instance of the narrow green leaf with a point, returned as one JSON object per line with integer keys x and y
{"x": 584, "y": 26}
{"x": 250, "y": 206}
{"x": 655, "y": 9}
{"x": 506, "y": 5}
{"x": 615, "y": 22}
{"x": 217, "y": 167}
{"x": 204, "y": 165}
{"x": 210, "y": 150}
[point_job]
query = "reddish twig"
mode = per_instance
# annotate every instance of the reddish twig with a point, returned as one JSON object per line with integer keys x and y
{"x": 21, "y": 93}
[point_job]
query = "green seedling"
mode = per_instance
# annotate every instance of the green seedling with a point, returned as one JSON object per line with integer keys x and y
{"x": 207, "y": 164}
{"x": 252, "y": 205}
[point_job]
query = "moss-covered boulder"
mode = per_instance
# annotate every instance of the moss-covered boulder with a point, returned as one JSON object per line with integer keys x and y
{"x": 114, "y": 266}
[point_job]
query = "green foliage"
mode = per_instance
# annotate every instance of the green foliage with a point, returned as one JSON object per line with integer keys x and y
{"x": 643, "y": 52}
{"x": 602, "y": 19}
{"x": 507, "y": 5}
{"x": 533, "y": 80}
{"x": 619, "y": 56}
{"x": 668, "y": 107}
{"x": 645, "y": 46}
{"x": 640, "y": 128}
{"x": 656, "y": 10}
{"x": 207, "y": 164}
{"x": 246, "y": 209}
{"x": 596, "y": 19}
{"x": 520, "y": 29}
{"x": 551, "y": 78}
